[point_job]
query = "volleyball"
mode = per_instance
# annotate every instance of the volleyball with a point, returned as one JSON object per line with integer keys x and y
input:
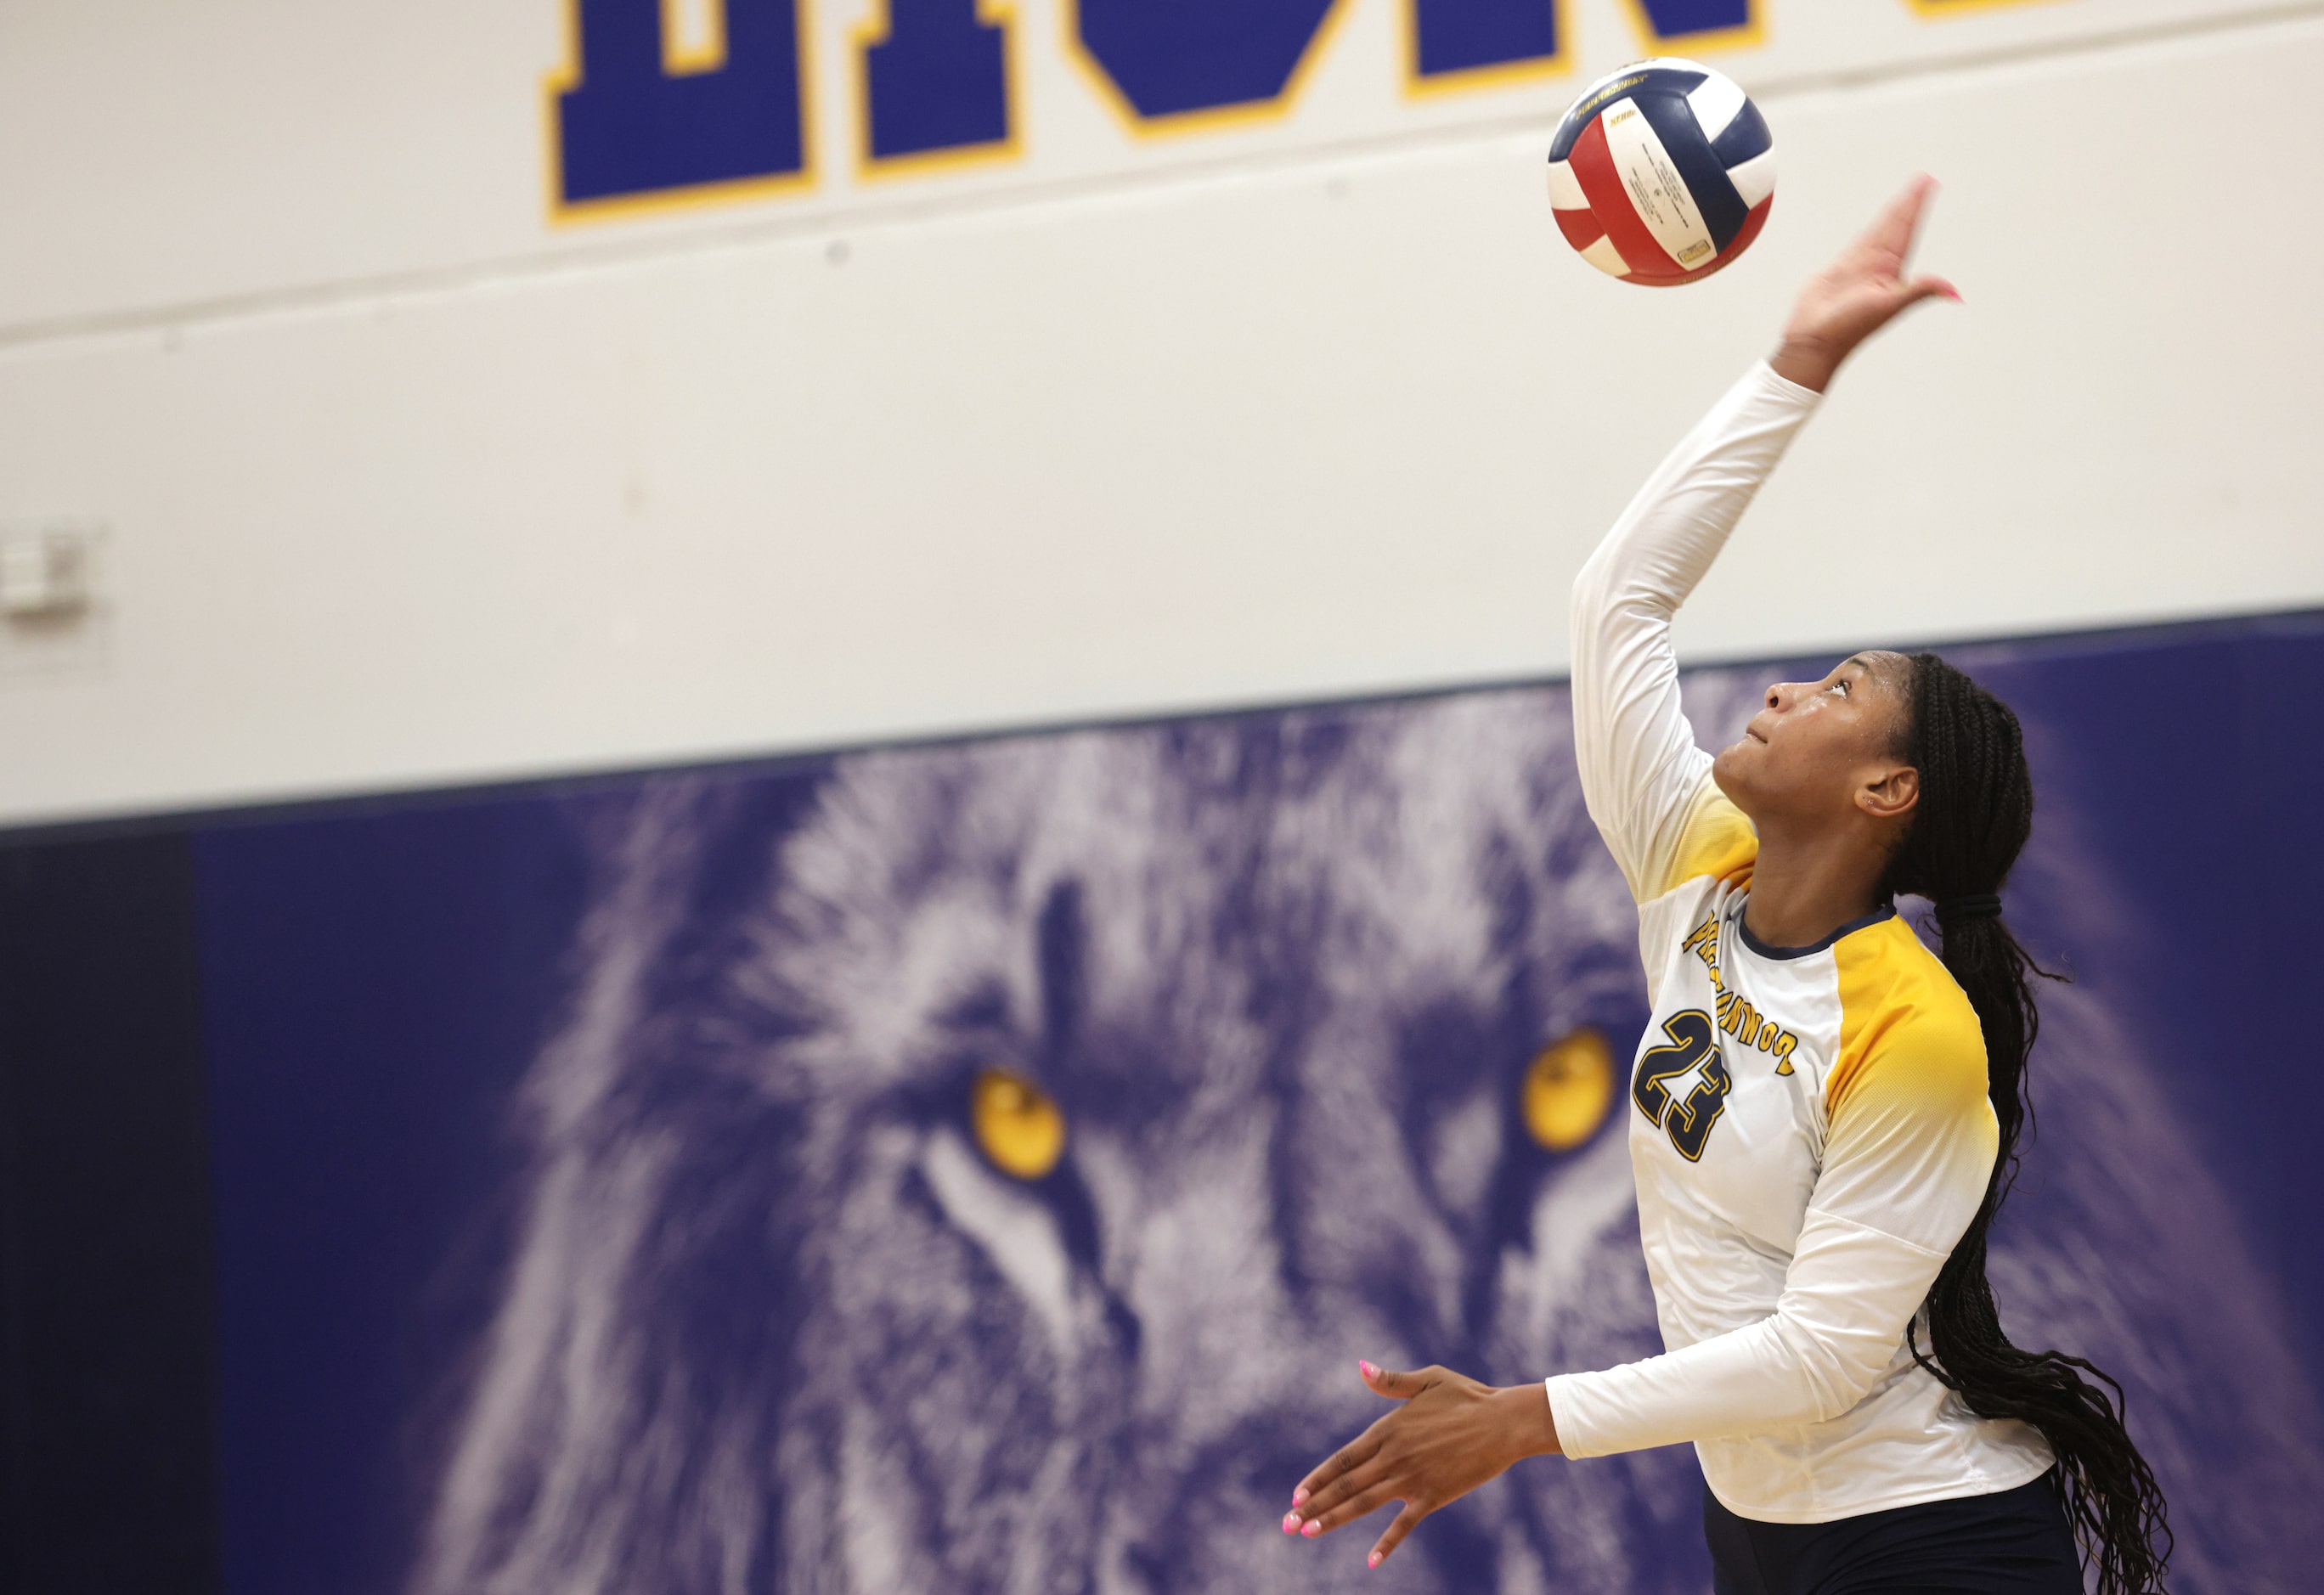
{"x": 1662, "y": 172}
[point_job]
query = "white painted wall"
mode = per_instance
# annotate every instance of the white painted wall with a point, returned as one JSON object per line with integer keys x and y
{"x": 408, "y": 486}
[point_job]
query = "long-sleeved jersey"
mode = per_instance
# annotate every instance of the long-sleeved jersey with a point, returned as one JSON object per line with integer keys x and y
{"x": 1809, "y": 1126}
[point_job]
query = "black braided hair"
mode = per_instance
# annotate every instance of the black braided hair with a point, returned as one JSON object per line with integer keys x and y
{"x": 1976, "y": 809}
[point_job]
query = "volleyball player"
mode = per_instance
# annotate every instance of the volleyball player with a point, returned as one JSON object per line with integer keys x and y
{"x": 1823, "y": 1116}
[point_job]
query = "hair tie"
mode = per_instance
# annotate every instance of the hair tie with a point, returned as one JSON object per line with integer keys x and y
{"x": 1979, "y": 906}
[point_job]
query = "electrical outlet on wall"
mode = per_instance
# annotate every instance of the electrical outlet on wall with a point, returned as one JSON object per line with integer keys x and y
{"x": 52, "y": 615}
{"x": 44, "y": 569}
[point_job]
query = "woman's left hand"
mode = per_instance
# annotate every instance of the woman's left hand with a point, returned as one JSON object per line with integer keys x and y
{"x": 1450, "y": 1435}
{"x": 1860, "y": 293}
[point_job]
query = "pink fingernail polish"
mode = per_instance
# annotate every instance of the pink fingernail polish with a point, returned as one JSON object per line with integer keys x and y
{"x": 1299, "y": 1496}
{"x": 1368, "y": 1368}
{"x": 1374, "y": 1562}
{"x": 1311, "y": 1528}
{"x": 1291, "y": 1523}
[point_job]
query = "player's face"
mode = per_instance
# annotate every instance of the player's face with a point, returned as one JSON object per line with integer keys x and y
{"x": 1815, "y": 745}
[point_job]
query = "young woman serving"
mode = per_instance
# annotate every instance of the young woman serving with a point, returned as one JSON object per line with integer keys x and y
{"x": 1824, "y": 1116}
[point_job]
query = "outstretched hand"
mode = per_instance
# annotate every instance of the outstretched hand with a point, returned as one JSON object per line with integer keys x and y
{"x": 1860, "y": 293}
{"x": 1450, "y": 1435}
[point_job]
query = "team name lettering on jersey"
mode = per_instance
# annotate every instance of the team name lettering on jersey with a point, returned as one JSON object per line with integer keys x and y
{"x": 1736, "y": 1017}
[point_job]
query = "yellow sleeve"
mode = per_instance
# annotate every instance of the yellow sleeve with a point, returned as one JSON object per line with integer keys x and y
{"x": 1910, "y": 1137}
{"x": 1715, "y": 839}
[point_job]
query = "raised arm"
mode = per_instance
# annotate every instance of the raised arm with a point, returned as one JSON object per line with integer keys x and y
{"x": 1642, "y": 775}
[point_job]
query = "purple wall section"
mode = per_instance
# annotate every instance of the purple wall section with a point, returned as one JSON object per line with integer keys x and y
{"x": 598, "y": 1204}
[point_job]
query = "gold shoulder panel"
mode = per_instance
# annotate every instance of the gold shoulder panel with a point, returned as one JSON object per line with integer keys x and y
{"x": 1716, "y": 840}
{"x": 1908, "y": 1036}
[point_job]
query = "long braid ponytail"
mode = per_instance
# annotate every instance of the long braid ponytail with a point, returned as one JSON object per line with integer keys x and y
{"x": 1976, "y": 810}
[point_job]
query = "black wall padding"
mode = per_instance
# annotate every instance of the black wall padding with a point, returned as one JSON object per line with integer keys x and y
{"x": 108, "y": 1363}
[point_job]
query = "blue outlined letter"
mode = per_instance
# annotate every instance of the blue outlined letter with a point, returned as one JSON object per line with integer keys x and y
{"x": 1679, "y": 19}
{"x": 629, "y": 126}
{"x": 938, "y": 80}
{"x": 1168, "y": 57}
{"x": 1465, "y": 35}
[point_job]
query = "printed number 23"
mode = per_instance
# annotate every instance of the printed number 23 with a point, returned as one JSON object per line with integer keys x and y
{"x": 1687, "y": 1120}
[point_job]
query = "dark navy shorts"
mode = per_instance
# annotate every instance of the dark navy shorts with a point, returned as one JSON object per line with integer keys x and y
{"x": 2016, "y": 1543}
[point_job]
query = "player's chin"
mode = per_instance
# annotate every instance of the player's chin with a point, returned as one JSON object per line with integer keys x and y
{"x": 1733, "y": 766}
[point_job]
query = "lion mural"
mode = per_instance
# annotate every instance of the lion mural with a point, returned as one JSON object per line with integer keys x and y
{"x": 798, "y": 1303}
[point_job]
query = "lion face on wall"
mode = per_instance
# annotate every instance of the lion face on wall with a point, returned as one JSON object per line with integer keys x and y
{"x": 978, "y": 1168}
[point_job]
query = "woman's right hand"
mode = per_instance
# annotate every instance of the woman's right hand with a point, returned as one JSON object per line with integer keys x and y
{"x": 1857, "y": 294}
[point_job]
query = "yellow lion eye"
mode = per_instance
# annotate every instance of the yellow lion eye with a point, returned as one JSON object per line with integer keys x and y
{"x": 1017, "y": 1124}
{"x": 1568, "y": 1090}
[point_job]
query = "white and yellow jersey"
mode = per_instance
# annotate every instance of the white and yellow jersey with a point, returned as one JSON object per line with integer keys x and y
{"x": 1809, "y": 1126}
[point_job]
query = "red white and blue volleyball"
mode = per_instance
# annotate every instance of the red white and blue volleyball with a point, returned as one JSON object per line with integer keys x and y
{"x": 1662, "y": 172}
